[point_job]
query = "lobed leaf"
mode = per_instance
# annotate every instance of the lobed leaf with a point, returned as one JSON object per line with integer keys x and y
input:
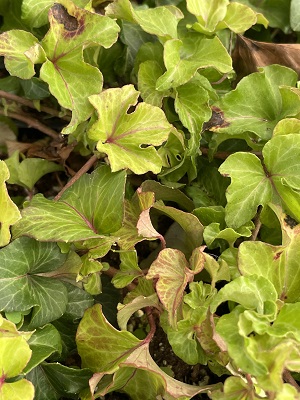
{"x": 22, "y": 284}
{"x": 71, "y": 30}
{"x": 21, "y": 51}
{"x": 91, "y": 208}
{"x": 10, "y": 213}
{"x": 128, "y": 139}
{"x": 173, "y": 273}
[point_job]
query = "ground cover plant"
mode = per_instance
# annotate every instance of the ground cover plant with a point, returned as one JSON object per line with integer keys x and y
{"x": 149, "y": 199}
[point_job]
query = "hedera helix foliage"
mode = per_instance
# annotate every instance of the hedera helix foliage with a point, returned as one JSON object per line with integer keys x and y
{"x": 144, "y": 95}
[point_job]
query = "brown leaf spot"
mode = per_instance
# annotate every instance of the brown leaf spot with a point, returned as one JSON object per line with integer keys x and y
{"x": 277, "y": 255}
{"x": 61, "y": 15}
{"x": 291, "y": 222}
{"x": 216, "y": 121}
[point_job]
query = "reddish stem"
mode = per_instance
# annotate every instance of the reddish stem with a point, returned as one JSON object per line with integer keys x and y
{"x": 152, "y": 325}
{"x": 78, "y": 174}
{"x": 31, "y": 122}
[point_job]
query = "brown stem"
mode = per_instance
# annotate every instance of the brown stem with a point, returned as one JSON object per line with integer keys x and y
{"x": 29, "y": 103}
{"x": 78, "y": 174}
{"x": 31, "y": 122}
{"x": 222, "y": 155}
{"x": 257, "y": 225}
{"x": 289, "y": 379}
{"x": 152, "y": 325}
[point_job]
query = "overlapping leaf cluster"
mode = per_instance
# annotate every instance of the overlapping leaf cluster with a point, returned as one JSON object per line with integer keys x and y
{"x": 147, "y": 90}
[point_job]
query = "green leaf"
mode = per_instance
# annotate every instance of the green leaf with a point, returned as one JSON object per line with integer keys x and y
{"x": 191, "y": 104}
{"x": 22, "y": 284}
{"x": 93, "y": 206}
{"x": 276, "y": 180}
{"x": 123, "y": 136}
{"x": 252, "y": 292}
{"x": 166, "y": 193}
{"x": 30, "y": 170}
{"x": 173, "y": 273}
{"x": 65, "y": 70}
{"x": 35, "y": 14}
{"x": 129, "y": 269}
{"x": 259, "y": 101}
{"x": 10, "y": 213}
{"x": 149, "y": 72}
{"x": 78, "y": 301}
{"x": 21, "y": 51}
{"x": 101, "y": 347}
{"x": 193, "y": 229}
{"x": 54, "y": 381}
{"x": 139, "y": 302}
{"x": 43, "y": 342}
{"x": 184, "y": 57}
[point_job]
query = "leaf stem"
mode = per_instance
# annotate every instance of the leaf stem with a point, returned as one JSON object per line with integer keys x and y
{"x": 30, "y": 103}
{"x": 31, "y": 122}
{"x": 78, "y": 174}
{"x": 287, "y": 376}
{"x": 152, "y": 324}
{"x": 257, "y": 225}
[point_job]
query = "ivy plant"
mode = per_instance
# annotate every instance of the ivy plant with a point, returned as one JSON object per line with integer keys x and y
{"x": 149, "y": 200}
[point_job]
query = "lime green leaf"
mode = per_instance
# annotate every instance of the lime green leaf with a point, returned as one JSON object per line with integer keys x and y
{"x": 286, "y": 126}
{"x": 252, "y": 292}
{"x": 295, "y": 15}
{"x": 71, "y": 30}
{"x": 235, "y": 388}
{"x": 277, "y": 180}
{"x": 129, "y": 269}
{"x": 93, "y": 206}
{"x": 30, "y": 170}
{"x": 14, "y": 356}
{"x": 276, "y": 263}
{"x": 22, "y": 284}
{"x": 10, "y": 213}
{"x": 35, "y": 13}
{"x": 191, "y": 104}
{"x": 259, "y": 101}
{"x": 149, "y": 72}
{"x": 239, "y": 18}
{"x": 184, "y": 340}
{"x": 122, "y": 135}
{"x": 213, "y": 232}
{"x": 21, "y": 51}
{"x": 237, "y": 345}
{"x": 20, "y": 390}
{"x": 101, "y": 347}
{"x": 159, "y": 21}
{"x": 173, "y": 273}
{"x": 276, "y": 11}
{"x": 184, "y": 57}
{"x": 43, "y": 342}
{"x": 209, "y": 14}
